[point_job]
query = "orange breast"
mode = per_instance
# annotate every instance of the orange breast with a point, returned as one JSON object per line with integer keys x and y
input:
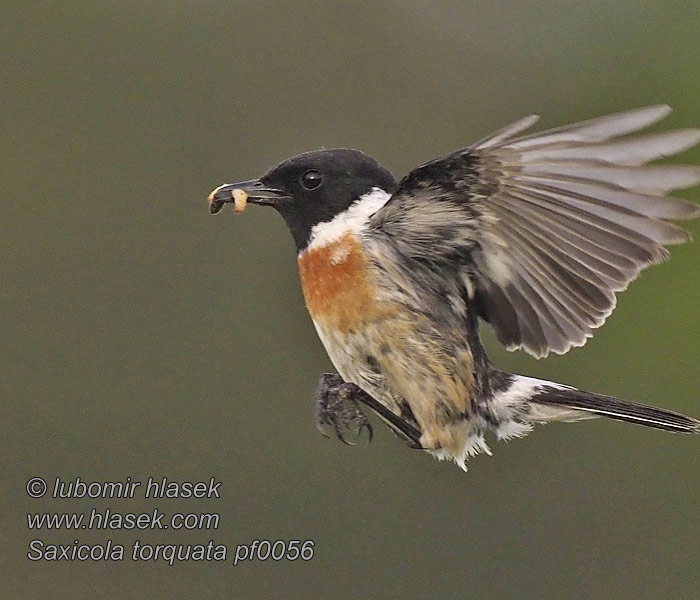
{"x": 337, "y": 285}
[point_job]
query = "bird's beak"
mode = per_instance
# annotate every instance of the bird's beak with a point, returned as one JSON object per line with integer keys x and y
{"x": 243, "y": 192}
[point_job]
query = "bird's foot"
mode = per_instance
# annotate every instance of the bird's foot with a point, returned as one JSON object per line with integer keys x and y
{"x": 335, "y": 405}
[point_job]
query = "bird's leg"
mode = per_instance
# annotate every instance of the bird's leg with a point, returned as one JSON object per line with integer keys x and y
{"x": 335, "y": 404}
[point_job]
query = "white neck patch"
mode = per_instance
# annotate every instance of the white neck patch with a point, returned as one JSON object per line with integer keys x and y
{"x": 351, "y": 220}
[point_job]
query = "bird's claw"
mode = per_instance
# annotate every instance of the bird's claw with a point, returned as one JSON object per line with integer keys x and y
{"x": 336, "y": 406}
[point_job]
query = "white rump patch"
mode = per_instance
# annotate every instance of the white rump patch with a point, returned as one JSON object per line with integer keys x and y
{"x": 352, "y": 220}
{"x": 512, "y": 407}
{"x": 507, "y": 403}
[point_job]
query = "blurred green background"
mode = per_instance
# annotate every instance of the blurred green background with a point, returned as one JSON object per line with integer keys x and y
{"x": 143, "y": 337}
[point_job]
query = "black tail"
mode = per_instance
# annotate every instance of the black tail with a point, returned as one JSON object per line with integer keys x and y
{"x": 615, "y": 408}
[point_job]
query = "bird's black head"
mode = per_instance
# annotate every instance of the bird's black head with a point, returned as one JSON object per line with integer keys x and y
{"x": 311, "y": 188}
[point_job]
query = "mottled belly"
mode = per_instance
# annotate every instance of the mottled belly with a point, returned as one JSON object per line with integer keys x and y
{"x": 399, "y": 363}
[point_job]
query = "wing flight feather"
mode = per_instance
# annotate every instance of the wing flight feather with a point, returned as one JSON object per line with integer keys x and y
{"x": 547, "y": 227}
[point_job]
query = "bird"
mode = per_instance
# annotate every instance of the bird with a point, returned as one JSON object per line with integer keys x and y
{"x": 533, "y": 234}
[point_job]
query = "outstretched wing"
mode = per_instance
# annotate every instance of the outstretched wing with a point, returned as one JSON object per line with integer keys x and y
{"x": 545, "y": 228}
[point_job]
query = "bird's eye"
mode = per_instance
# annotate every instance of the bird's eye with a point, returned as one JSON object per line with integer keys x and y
{"x": 311, "y": 180}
